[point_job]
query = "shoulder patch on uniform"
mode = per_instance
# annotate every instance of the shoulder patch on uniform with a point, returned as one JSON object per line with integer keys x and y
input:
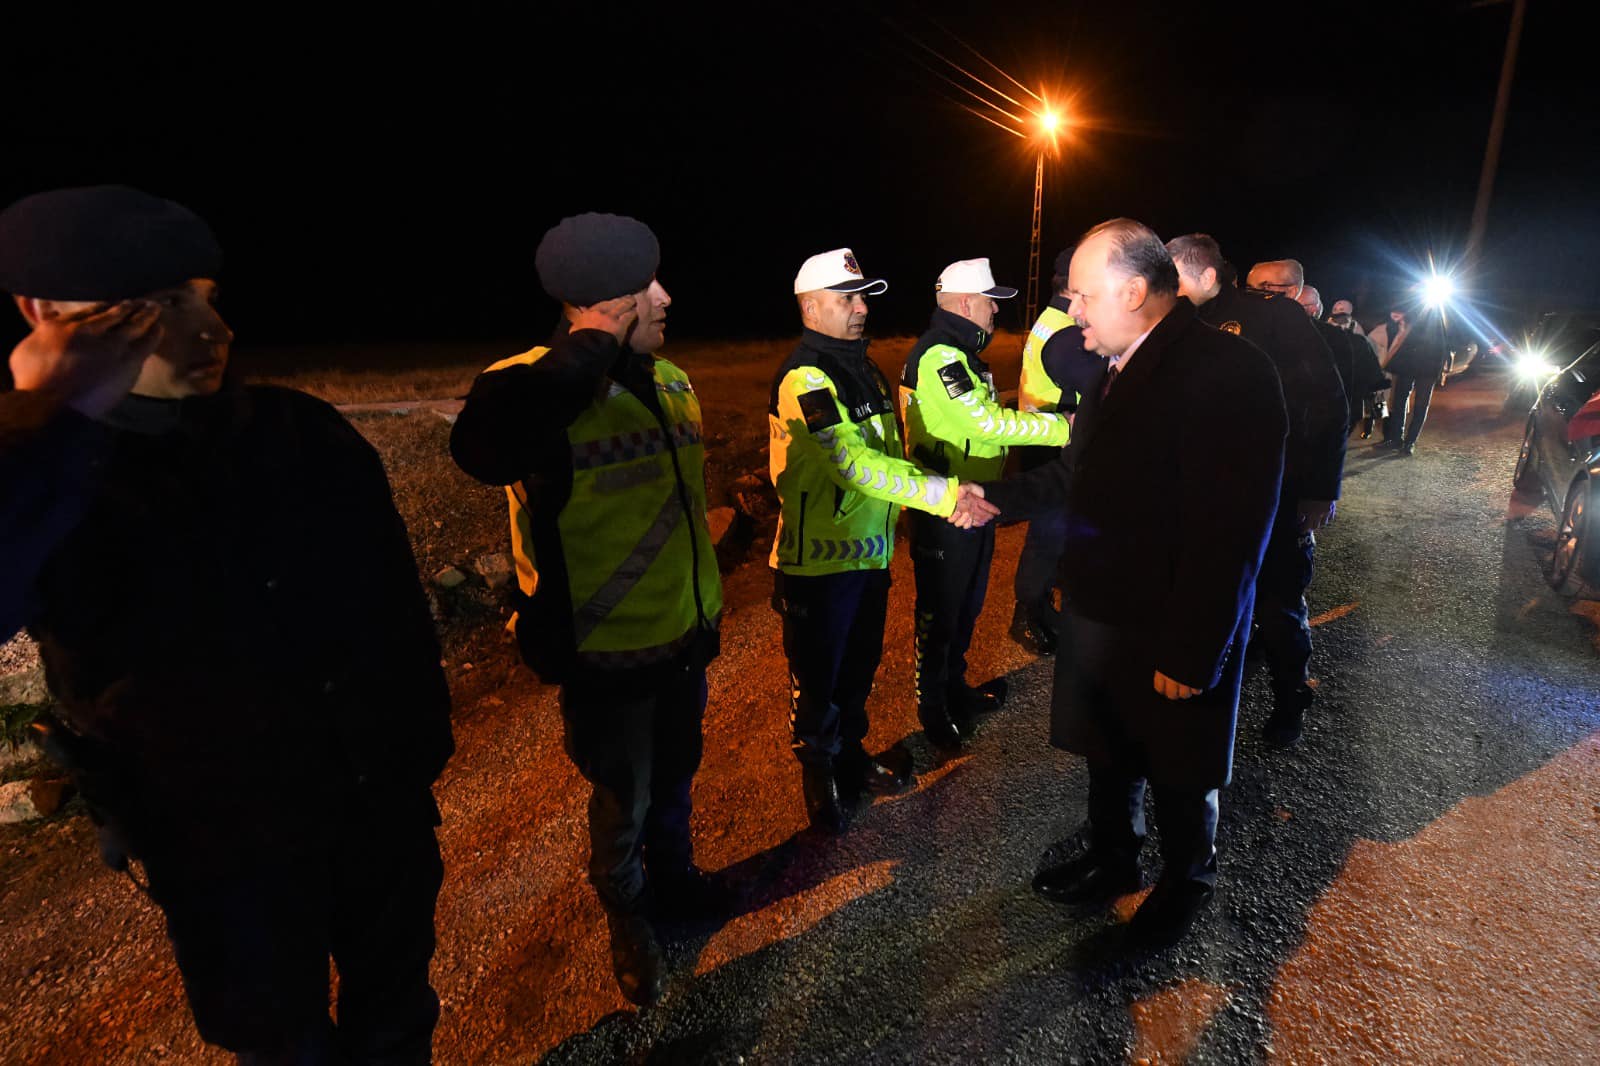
{"x": 819, "y": 409}
{"x": 957, "y": 382}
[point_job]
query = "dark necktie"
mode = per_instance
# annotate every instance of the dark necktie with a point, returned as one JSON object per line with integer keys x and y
{"x": 1105, "y": 389}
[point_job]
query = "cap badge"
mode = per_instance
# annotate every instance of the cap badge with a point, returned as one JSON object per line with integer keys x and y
{"x": 851, "y": 265}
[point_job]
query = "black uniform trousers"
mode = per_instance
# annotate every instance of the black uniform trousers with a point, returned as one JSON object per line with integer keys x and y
{"x": 1281, "y": 612}
{"x": 833, "y": 637}
{"x": 1415, "y": 392}
{"x": 635, "y": 737}
{"x": 952, "y": 571}
{"x": 252, "y": 935}
{"x": 1040, "y": 562}
{"x": 1119, "y": 764}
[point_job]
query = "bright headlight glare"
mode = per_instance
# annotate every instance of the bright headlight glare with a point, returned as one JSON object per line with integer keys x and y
{"x": 1438, "y": 289}
{"x": 1535, "y": 365}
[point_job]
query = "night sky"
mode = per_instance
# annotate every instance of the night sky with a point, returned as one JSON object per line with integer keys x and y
{"x": 387, "y": 177}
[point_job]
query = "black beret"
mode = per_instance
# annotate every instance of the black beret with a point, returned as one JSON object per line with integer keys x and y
{"x": 588, "y": 258}
{"x": 102, "y": 242}
{"x": 1064, "y": 261}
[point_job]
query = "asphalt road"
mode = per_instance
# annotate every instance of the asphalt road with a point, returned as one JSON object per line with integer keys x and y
{"x": 1370, "y": 908}
{"x": 1419, "y": 881}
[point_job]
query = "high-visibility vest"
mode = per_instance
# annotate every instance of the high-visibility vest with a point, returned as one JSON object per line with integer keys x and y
{"x": 1036, "y": 391}
{"x": 641, "y": 569}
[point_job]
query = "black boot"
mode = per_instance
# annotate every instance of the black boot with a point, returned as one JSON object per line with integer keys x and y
{"x": 940, "y": 728}
{"x": 1287, "y": 721}
{"x": 685, "y": 893}
{"x": 636, "y": 957}
{"x": 823, "y": 805}
{"x": 857, "y": 772}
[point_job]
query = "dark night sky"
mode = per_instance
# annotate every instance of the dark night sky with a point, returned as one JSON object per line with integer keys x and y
{"x": 387, "y": 176}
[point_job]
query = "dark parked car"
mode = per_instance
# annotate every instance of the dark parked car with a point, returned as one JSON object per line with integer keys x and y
{"x": 1556, "y": 340}
{"x": 1560, "y": 462}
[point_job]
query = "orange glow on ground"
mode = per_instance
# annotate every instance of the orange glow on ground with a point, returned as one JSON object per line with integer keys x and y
{"x": 1338, "y": 612}
{"x": 793, "y": 915}
{"x": 1168, "y": 1024}
{"x": 1472, "y": 941}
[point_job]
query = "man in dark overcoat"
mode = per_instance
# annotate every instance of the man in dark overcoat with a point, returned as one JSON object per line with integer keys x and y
{"x": 1173, "y": 478}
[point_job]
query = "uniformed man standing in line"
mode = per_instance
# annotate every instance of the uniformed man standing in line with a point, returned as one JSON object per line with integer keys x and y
{"x": 956, "y": 426}
{"x": 837, "y": 463}
{"x": 1056, "y": 370}
{"x": 1313, "y": 459}
{"x": 618, "y": 599}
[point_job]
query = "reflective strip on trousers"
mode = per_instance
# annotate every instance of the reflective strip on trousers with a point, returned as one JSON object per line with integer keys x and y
{"x": 628, "y": 573}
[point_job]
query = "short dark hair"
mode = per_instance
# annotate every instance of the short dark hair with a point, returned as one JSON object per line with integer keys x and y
{"x": 1197, "y": 252}
{"x": 1138, "y": 252}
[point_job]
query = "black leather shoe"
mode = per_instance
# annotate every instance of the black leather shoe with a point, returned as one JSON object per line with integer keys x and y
{"x": 1387, "y": 443}
{"x": 823, "y": 805}
{"x": 1408, "y": 449}
{"x": 1033, "y": 633}
{"x": 941, "y": 729}
{"x": 984, "y": 699}
{"x": 1168, "y": 912}
{"x": 858, "y": 772}
{"x": 1089, "y": 880}
{"x": 636, "y": 957}
{"x": 689, "y": 894}
{"x": 1284, "y": 727}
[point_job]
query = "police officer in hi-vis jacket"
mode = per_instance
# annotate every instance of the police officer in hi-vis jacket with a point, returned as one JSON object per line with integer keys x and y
{"x": 599, "y": 445}
{"x": 839, "y": 468}
{"x": 956, "y": 426}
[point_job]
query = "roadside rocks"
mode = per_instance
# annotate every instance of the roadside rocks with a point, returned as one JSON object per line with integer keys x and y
{"x": 28, "y": 801}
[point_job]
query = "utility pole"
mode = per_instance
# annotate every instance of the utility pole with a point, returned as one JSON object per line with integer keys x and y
{"x": 1497, "y": 130}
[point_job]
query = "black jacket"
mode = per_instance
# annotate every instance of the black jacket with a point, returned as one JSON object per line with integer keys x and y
{"x": 1356, "y": 363}
{"x": 47, "y": 455}
{"x": 862, "y": 387}
{"x": 1173, "y": 481}
{"x": 237, "y": 631}
{"x": 1318, "y": 411}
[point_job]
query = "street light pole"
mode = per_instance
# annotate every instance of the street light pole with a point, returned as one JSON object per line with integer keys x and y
{"x": 1048, "y": 123}
{"x": 1033, "y": 244}
{"x": 1497, "y": 130}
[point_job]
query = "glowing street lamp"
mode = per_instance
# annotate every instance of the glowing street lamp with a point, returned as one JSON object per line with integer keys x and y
{"x": 1438, "y": 289}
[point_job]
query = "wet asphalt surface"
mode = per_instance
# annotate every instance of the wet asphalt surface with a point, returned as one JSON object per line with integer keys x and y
{"x": 1447, "y": 669}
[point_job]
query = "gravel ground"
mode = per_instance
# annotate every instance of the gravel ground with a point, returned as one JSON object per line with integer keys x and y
{"x": 1418, "y": 881}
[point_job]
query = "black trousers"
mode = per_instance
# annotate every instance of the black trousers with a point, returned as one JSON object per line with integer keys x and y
{"x": 1418, "y": 390}
{"x": 1281, "y": 613}
{"x": 638, "y": 747}
{"x": 952, "y": 572}
{"x": 1187, "y": 819}
{"x": 833, "y": 637}
{"x": 253, "y": 936}
{"x": 1040, "y": 561}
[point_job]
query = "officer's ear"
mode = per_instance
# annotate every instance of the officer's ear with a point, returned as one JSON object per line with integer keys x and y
{"x": 31, "y": 309}
{"x": 1208, "y": 279}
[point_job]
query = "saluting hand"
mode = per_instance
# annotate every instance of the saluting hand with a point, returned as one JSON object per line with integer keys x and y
{"x": 615, "y": 317}
{"x": 91, "y": 358}
{"x": 1173, "y": 690}
{"x": 972, "y": 510}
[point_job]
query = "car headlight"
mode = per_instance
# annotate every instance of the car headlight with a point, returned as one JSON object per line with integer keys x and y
{"x": 1534, "y": 366}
